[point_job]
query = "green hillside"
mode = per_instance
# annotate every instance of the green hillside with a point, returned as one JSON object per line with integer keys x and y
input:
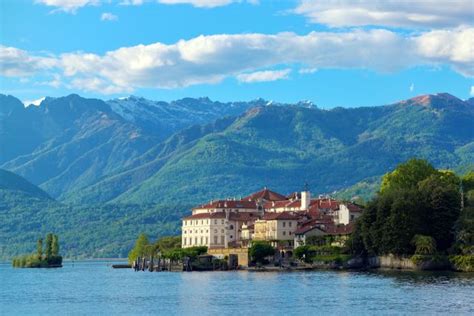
{"x": 284, "y": 147}
{"x": 12, "y": 184}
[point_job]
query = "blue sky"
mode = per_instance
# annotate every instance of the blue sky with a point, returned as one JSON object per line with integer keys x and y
{"x": 332, "y": 53}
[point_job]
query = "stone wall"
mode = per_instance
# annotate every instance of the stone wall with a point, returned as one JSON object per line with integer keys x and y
{"x": 242, "y": 254}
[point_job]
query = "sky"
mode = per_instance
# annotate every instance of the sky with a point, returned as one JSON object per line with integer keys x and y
{"x": 333, "y": 53}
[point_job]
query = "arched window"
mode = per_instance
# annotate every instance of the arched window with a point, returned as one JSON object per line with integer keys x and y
{"x": 231, "y": 227}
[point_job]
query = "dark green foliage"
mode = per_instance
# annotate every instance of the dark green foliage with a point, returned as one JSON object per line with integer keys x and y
{"x": 49, "y": 246}
{"x": 39, "y": 248}
{"x": 260, "y": 250}
{"x": 424, "y": 245}
{"x": 325, "y": 254}
{"x": 415, "y": 212}
{"x": 181, "y": 253}
{"x": 55, "y": 246}
{"x": 465, "y": 225}
{"x": 304, "y": 253}
{"x": 168, "y": 242}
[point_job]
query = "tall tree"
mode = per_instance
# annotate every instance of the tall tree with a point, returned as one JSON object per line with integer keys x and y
{"x": 55, "y": 246}
{"x": 49, "y": 245}
{"x": 139, "y": 249}
{"x": 39, "y": 249}
{"x": 407, "y": 175}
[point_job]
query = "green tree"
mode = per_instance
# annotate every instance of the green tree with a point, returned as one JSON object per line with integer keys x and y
{"x": 139, "y": 250}
{"x": 441, "y": 198}
{"x": 49, "y": 246}
{"x": 305, "y": 253}
{"x": 414, "y": 199}
{"x": 407, "y": 175}
{"x": 55, "y": 246}
{"x": 168, "y": 242}
{"x": 260, "y": 250}
{"x": 39, "y": 249}
{"x": 424, "y": 245}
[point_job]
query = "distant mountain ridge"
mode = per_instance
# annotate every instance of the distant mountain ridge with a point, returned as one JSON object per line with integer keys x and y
{"x": 135, "y": 150}
{"x": 14, "y": 184}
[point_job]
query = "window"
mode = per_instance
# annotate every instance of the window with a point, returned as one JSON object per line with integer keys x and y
{"x": 215, "y": 221}
{"x": 184, "y": 241}
{"x": 289, "y": 223}
{"x": 215, "y": 239}
{"x": 284, "y": 233}
{"x": 222, "y": 240}
{"x": 222, "y": 231}
{"x": 201, "y": 240}
{"x": 222, "y": 222}
{"x": 207, "y": 240}
{"x": 195, "y": 240}
{"x": 289, "y": 233}
{"x": 231, "y": 227}
{"x": 185, "y": 232}
{"x": 231, "y": 236}
{"x": 284, "y": 224}
{"x": 215, "y": 231}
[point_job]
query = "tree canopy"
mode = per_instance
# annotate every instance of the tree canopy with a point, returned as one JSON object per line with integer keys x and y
{"x": 414, "y": 200}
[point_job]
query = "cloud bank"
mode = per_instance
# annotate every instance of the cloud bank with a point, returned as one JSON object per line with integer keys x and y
{"x": 247, "y": 57}
{"x": 390, "y": 13}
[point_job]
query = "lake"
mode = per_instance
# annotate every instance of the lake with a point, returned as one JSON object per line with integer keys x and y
{"x": 94, "y": 288}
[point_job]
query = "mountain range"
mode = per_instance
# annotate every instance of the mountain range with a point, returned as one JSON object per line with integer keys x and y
{"x": 92, "y": 154}
{"x": 134, "y": 150}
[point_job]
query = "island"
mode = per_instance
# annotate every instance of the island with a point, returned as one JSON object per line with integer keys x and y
{"x": 420, "y": 219}
{"x": 48, "y": 257}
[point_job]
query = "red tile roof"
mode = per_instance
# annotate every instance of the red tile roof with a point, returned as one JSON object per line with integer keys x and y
{"x": 235, "y": 204}
{"x": 328, "y": 228}
{"x": 281, "y": 216}
{"x": 266, "y": 195}
{"x": 244, "y": 216}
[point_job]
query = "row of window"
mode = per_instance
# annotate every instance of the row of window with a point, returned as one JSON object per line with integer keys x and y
{"x": 203, "y": 241}
{"x": 200, "y": 222}
{"x": 202, "y": 231}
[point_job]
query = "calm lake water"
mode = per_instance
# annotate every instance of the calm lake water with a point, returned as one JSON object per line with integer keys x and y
{"x": 94, "y": 288}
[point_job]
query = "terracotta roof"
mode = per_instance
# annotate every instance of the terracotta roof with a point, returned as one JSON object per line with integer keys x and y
{"x": 244, "y": 216}
{"x": 235, "y": 204}
{"x": 281, "y": 216}
{"x": 340, "y": 229}
{"x": 328, "y": 228}
{"x": 354, "y": 208}
{"x": 266, "y": 195}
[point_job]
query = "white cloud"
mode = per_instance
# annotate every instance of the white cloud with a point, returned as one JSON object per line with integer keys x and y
{"x": 36, "y": 102}
{"x": 210, "y": 59}
{"x": 265, "y": 75}
{"x": 308, "y": 70}
{"x": 412, "y": 87}
{"x": 107, "y": 16}
{"x": 15, "y": 62}
{"x": 69, "y": 6}
{"x": 390, "y": 13}
{"x": 472, "y": 91}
